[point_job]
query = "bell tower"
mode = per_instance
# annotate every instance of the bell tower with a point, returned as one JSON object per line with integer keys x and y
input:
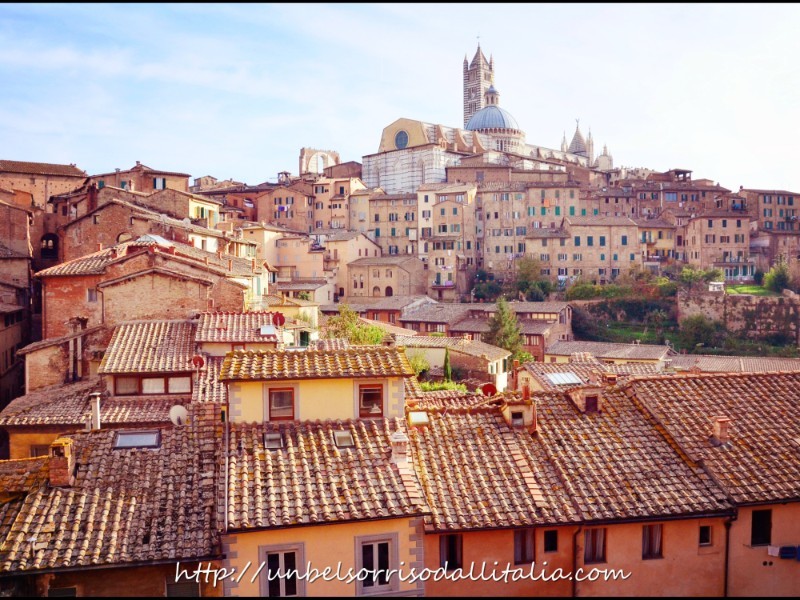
{"x": 478, "y": 77}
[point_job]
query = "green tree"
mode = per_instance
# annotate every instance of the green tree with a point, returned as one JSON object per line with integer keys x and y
{"x": 418, "y": 362}
{"x": 698, "y": 332}
{"x": 504, "y": 330}
{"x": 448, "y": 371}
{"x": 348, "y": 326}
{"x": 777, "y": 279}
{"x": 690, "y": 278}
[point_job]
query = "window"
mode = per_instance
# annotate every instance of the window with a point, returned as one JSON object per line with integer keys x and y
{"x": 450, "y": 551}
{"x": 761, "y": 528}
{"x": 551, "y": 540}
{"x": 159, "y": 183}
{"x": 594, "y": 546}
{"x": 577, "y": 241}
{"x": 137, "y": 439}
{"x": 370, "y": 401}
{"x": 523, "y": 546}
{"x": 91, "y": 295}
{"x": 624, "y": 240}
{"x": 376, "y": 555}
{"x": 602, "y": 240}
{"x": 279, "y": 576}
{"x": 281, "y": 404}
{"x": 651, "y": 541}
{"x": 705, "y": 535}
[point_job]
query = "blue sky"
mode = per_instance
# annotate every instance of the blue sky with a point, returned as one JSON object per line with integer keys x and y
{"x": 235, "y": 91}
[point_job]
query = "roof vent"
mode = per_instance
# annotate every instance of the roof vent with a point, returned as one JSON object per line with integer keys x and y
{"x": 399, "y": 441}
{"x": 343, "y": 439}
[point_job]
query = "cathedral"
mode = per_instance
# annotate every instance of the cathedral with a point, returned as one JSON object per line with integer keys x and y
{"x": 412, "y": 152}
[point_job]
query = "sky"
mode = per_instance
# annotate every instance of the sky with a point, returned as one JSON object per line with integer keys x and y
{"x": 236, "y": 90}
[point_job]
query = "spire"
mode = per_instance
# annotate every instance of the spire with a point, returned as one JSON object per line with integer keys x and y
{"x": 564, "y": 142}
{"x": 578, "y": 144}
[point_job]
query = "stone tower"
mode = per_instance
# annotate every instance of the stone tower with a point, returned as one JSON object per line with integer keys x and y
{"x": 478, "y": 77}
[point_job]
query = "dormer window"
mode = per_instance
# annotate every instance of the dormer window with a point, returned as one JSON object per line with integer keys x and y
{"x": 517, "y": 419}
{"x": 343, "y": 439}
{"x": 591, "y": 404}
{"x": 370, "y": 401}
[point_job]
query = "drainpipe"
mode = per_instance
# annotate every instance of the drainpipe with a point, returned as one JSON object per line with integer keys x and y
{"x": 728, "y": 523}
{"x": 575, "y": 561}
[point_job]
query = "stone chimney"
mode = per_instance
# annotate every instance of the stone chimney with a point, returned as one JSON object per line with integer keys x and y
{"x": 399, "y": 442}
{"x": 62, "y": 463}
{"x": 722, "y": 429}
{"x": 230, "y": 264}
{"x": 94, "y": 399}
{"x": 99, "y": 246}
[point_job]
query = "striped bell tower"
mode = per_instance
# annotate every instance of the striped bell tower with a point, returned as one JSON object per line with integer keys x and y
{"x": 478, "y": 77}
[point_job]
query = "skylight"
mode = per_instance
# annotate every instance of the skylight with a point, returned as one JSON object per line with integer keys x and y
{"x": 343, "y": 439}
{"x": 137, "y": 439}
{"x": 564, "y": 379}
{"x": 273, "y": 441}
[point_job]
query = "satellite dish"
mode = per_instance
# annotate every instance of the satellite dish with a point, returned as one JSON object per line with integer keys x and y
{"x": 278, "y": 319}
{"x": 488, "y": 389}
{"x": 178, "y": 414}
{"x": 198, "y": 361}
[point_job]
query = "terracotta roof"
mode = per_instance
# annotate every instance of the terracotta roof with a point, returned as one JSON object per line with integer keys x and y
{"x": 616, "y": 464}
{"x": 299, "y": 286}
{"x": 399, "y": 261}
{"x": 58, "y": 340}
{"x": 6, "y": 252}
{"x": 734, "y": 364}
{"x": 356, "y": 361}
{"x": 386, "y": 303}
{"x": 761, "y": 462}
{"x": 150, "y": 347}
{"x": 36, "y": 168}
{"x": 125, "y": 506}
{"x": 437, "y": 313}
{"x": 477, "y": 472}
{"x": 70, "y": 405}
{"x": 19, "y": 476}
{"x": 457, "y": 344}
{"x": 96, "y": 262}
{"x": 388, "y": 327}
{"x": 611, "y": 350}
{"x": 411, "y": 387}
{"x": 234, "y": 327}
{"x": 583, "y": 370}
{"x": 442, "y": 399}
{"x": 330, "y": 344}
{"x": 208, "y": 387}
{"x": 311, "y": 480}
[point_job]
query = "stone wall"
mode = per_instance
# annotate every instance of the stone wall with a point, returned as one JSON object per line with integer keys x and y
{"x": 751, "y": 316}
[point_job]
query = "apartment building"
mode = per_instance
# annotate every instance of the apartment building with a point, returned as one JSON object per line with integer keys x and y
{"x": 720, "y": 239}
{"x": 393, "y": 223}
{"x": 141, "y": 178}
{"x": 386, "y": 276}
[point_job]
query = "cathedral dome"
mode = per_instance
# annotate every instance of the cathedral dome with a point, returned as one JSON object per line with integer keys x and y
{"x": 492, "y": 117}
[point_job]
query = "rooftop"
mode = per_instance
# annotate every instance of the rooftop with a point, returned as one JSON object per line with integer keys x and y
{"x": 234, "y": 327}
{"x": 355, "y": 361}
{"x": 37, "y": 168}
{"x": 609, "y": 350}
{"x": 310, "y": 480}
{"x": 150, "y": 347}
{"x": 458, "y": 344}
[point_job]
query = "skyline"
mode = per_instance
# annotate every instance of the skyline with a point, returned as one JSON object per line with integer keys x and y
{"x": 235, "y": 91}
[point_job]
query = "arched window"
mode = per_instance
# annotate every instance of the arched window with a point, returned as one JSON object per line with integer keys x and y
{"x": 376, "y": 291}
{"x": 389, "y": 291}
{"x": 124, "y": 237}
{"x": 50, "y": 246}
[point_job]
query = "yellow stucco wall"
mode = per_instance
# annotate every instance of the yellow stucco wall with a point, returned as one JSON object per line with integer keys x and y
{"x": 749, "y": 576}
{"x": 322, "y": 546}
{"x": 20, "y": 443}
{"x": 314, "y": 398}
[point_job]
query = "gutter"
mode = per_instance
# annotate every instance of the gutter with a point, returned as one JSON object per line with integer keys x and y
{"x": 575, "y": 560}
{"x": 727, "y": 554}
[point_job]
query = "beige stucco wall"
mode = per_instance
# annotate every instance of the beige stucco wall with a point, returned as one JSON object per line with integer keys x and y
{"x": 322, "y": 546}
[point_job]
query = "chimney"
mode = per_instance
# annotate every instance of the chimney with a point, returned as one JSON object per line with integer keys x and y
{"x": 95, "y": 401}
{"x": 253, "y": 265}
{"x": 138, "y": 164}
{"x": 99, "y": 246}
{"x": 205, "y": 259}
{"x": 62, "y": 463}
{"x": 399, "y": 441}
{"x": 722, "y": 429}
{"x": 230, "y": 264}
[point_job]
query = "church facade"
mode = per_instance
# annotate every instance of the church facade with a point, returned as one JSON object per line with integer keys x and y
{"x": 412, "y": 153}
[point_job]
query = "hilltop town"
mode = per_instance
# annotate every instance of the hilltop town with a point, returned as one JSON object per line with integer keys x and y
{"x": 383, "y": 366}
